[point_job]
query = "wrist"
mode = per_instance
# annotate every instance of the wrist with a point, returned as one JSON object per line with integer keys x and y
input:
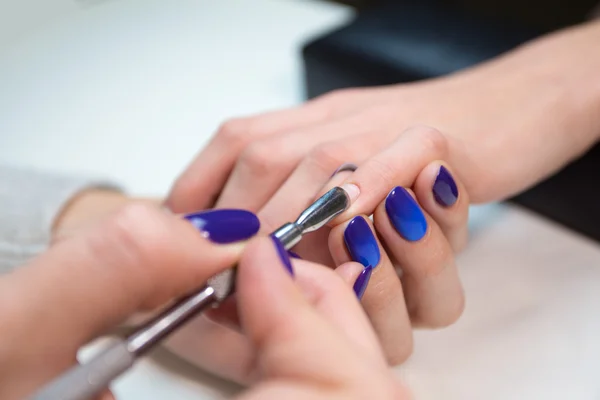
{"x": 89, "y": 207}
{"x": 84, "y": 209}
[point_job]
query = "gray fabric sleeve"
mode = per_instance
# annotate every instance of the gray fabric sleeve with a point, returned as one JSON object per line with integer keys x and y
{"x": 29, "y": 203}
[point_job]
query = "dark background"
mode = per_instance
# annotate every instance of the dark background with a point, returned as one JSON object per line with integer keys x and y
{"x": 378, "y": 48}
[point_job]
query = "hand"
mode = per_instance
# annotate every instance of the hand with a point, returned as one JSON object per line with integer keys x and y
{"x": 88, "y": 208}
{"x": 313, "y": 341}
{"x": 419, "y": 238}
{"x": 137, "y": 260}
{"x": 142, "y": 258}
{"x": 504, "y": 125}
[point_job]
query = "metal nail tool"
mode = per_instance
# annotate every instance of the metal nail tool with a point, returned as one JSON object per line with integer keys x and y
{"x": 85, "y": 381}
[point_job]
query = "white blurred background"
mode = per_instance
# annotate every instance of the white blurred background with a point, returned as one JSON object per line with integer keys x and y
{"x": 132, "y": 89}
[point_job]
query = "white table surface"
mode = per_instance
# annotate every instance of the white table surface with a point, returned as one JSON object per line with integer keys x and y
{"x": 131, "y": 89}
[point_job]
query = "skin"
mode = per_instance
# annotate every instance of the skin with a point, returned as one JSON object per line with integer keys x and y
{"x": 140, "y": 258}
{"x": 393, "y": 305}
{"x": 503, "y": 126}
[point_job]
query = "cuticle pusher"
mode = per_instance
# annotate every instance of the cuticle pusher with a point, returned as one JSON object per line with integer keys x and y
{"x": 85, "y": 381}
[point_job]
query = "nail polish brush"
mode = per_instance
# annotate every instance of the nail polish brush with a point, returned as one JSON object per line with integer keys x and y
{"x": 85, "y": 381}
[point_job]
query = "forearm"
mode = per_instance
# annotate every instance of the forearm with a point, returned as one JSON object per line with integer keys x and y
{"x": 533, "y": 110}
{"x": 564, "y": 68}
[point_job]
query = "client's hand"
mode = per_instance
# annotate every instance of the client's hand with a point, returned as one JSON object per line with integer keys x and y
{"x": 420, "y": 211}
{"x": 312, "y": 339}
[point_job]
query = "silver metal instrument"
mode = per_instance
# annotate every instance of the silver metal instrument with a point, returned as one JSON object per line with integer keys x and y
{"x": 85, "y": 381}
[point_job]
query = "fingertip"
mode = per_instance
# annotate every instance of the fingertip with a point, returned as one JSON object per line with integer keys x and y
{"x": 349, "y": 272}
{"x": 443, "y": 196}
{"x": 266, "y": 293}
{"x": 438, "y": 184}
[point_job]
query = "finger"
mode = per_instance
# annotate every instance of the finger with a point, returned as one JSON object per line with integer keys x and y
{"x": 316, "y": 170}
{"x": 198, "y": 187}
{"x": 135, "y": 261}
{"x": 311, "y": 247}
{"x": 443, "y": 196}
{"x": 288, "y": 333}
{"x": 106, "y": 395}
{"x": 291, "y": 391}
{"x": 397, "y": 165}
{"x": 196, "y": 342}
{"x": 328, "y": 294}
{"x": 383, "y": 299}
{"x": 432, "y": 289}
{"x": 265, "y": 164}
{"x": 377, "y": 387}
{"x": 322, "y": 288}
{"x": 201, "y": 342}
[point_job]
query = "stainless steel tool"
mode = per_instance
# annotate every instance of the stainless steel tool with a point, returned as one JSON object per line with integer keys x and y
{"x": 85, "y": 381}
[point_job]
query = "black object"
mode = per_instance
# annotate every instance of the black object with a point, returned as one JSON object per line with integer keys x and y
{"x": 405, "y": 41}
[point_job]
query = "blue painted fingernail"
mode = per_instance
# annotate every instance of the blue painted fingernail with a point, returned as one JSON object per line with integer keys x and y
{"x": 283, "y": 255}
{"x": 294, "y": 255}
{"x": 361, "y": 283}
{"x": 225, "y": 225}
{"x": 444, "y": 189}
{"x": 361, "y": 242}
{"x": 405, "y": 214}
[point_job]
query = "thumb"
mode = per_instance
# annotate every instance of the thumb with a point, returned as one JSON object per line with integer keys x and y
{"x": 291, "y": 337}
{"x": 137, "y": 260}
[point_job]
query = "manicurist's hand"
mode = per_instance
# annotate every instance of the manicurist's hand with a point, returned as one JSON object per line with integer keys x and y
{"x": 312, "y": 339}
{"x": 420, "y": 211}
{"x": 136, "y": 260}
{"x": 309, "y": 337}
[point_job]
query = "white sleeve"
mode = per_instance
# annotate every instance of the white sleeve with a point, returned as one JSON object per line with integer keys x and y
{"x": 29, "y": 203}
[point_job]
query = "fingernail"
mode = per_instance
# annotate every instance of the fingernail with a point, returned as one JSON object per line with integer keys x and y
{"x": 345, "y": 167}
{"x": 283, "y": 255}
{"x": 352, "y": 190}
{"x": 225, "y": 225}
{"x": 294, "y": 255}
{"x": 405, "y": 214}
{"x": 444, "y": 189}
{"x": 361, "y": 242}
{"x": 361, "y": 283}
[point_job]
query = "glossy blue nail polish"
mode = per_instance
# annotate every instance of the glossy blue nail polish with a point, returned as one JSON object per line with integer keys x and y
{"x": 283, "y": 255}
{"x": 225, "y": 225}
{"x": 361, "y": 283}
{"x": 405, "y": 214}
{"x": 361, "y": 242}
{"x": 294, "y": 255}
{"x": 444, "y": 188}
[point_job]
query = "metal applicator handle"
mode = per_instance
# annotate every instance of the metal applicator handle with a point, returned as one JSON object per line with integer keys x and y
{"x": 85, "y": 381}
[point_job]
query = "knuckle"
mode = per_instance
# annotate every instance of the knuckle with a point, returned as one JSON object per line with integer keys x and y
{"x": 335, "y": 102}
{"x": 262, "y": 157}
{"x": 381, "y": 172}
{"x": 133, "y": 238}
{"x": 325, "y": 158}
{"x": 234, "y": 132}
{"x": 432, "y": 140}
